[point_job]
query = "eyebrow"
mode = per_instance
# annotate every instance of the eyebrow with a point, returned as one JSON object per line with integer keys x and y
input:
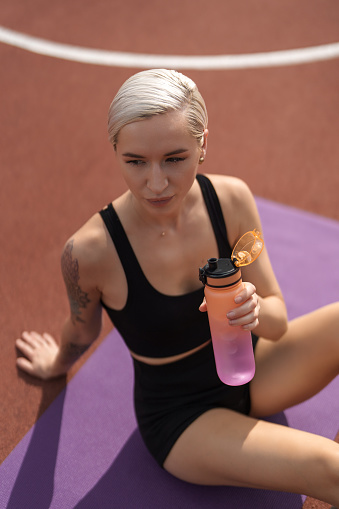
{"x": 174, "y": 152}
{"x": 129, "y": 154}
{"x": 178, "y": 151}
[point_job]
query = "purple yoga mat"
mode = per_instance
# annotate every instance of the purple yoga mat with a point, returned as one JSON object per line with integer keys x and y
{"x": 86, "y": 452}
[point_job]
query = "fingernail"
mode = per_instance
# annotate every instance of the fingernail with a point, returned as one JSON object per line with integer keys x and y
{"x": 237, "y": 300}
{"x": 230, "y": 314}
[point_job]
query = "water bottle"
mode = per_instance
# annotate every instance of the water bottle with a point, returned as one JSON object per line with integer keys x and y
{"x": 232, "y": 345}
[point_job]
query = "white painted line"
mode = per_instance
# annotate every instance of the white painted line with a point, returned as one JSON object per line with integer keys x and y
{"x": 212, "y": 62}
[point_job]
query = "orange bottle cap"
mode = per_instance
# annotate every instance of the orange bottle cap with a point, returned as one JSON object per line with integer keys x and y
{"x": 247, "y": 249}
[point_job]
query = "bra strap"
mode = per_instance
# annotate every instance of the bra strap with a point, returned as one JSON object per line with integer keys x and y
{"x": 216, "y": 216}
{"x": 121, "y": 243}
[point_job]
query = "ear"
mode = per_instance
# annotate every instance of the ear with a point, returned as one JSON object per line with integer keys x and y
{"x": 204, "y": 145}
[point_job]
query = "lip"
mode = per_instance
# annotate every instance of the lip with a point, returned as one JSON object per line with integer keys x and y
{"x": 160, "y": 202}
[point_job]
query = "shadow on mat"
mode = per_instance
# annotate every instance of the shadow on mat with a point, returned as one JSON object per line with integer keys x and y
{"x": 34, "y": 485}
{"x": 134, "y": 481}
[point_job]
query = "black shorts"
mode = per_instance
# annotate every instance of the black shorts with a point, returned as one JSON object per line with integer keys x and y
{"x": 170, "y": 397}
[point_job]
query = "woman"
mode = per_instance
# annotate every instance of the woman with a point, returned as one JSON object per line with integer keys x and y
{"x": 139, "y": 258}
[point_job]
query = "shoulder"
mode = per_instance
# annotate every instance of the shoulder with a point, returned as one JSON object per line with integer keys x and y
{"x": 230, "y": 188}
{"x": 89, "y": 260}
{"x": 87, "y": 247}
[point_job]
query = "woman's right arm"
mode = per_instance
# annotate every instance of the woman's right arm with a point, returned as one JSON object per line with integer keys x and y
{"x": 44, "y": 356}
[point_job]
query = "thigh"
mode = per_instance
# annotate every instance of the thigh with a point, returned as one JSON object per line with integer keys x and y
{"x": 223, "y": 447}
{"x": 297, "y": 366}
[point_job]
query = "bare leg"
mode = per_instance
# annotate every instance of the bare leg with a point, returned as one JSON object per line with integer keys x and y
{"x": 225, "y": 448}
{"x": 299, "y": 365}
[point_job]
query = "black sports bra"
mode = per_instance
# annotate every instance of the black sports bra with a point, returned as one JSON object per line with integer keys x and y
{"x": 153, "y": 324}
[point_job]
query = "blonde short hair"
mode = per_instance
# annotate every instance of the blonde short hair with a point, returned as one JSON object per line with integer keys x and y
{"x": 155, "y": 92}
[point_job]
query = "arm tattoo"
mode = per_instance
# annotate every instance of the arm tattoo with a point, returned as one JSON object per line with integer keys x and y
{"x": 78, "y": 298}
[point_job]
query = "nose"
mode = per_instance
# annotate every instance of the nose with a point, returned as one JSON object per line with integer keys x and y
{"x": 156, "y": 179}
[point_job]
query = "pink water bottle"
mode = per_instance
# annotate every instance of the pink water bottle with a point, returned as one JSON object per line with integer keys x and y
{"x": 233, "y": 350}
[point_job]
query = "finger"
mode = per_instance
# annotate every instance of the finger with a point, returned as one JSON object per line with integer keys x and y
{"x": 252, "y": 325}
{"x": 251, "y": 305}
{"x": 24, "y": 347}
{"x": 32, "y": 338}
{"x": 36, "y": 338}
{"x": 245, "y": 293}
{"x": 203, "y": 306}
{"x": 25, "y": 365}
{"x": 249, "y": 320}
{"x": 49, "y": 339}
{"x": 248, "y": 326}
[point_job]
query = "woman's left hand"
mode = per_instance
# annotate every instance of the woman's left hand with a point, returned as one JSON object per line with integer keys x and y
{"x": 246, "y": 314}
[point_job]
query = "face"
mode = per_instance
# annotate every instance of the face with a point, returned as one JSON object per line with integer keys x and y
{"x": 159, "y": 160}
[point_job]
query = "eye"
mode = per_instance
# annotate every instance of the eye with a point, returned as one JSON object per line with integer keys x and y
{"x": 135, "y": 162}
{"x": 175, "y": 159}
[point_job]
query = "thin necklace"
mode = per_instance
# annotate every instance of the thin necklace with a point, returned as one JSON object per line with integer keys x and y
{"x": 162, "y": 234}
